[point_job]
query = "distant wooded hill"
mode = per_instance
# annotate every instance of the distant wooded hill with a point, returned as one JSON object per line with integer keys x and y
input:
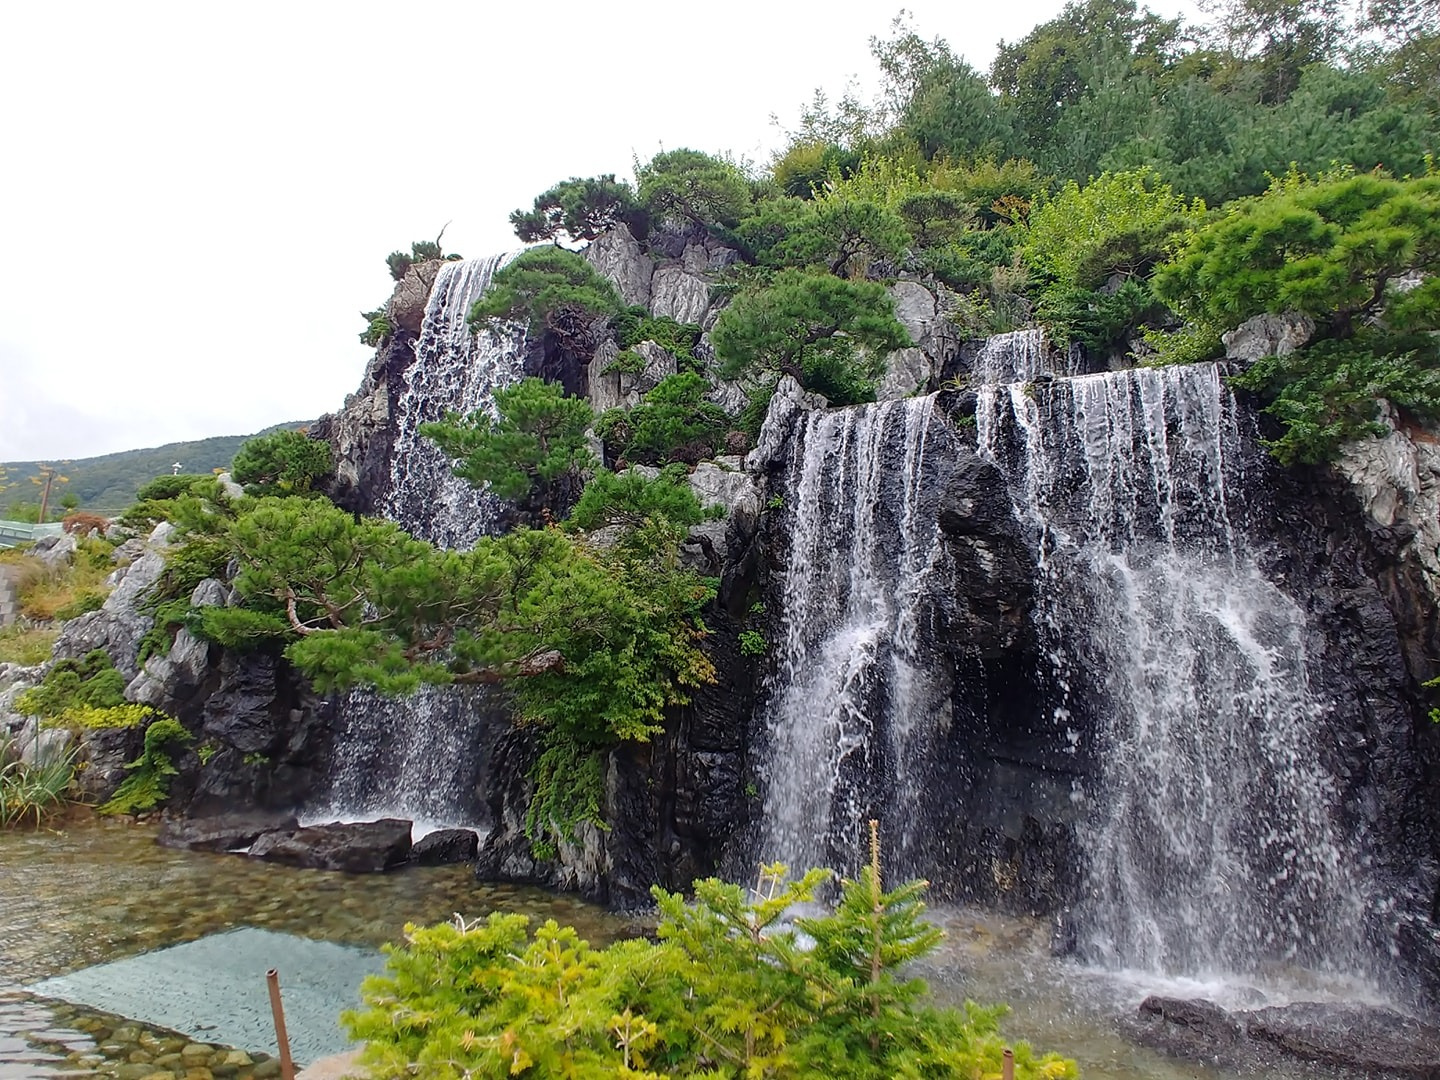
{"x": 110, "y": 481}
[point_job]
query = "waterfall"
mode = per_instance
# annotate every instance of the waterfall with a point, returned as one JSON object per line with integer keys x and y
{"x": 850, "y": 703}
{"x": 1212, "y": 845}
{"x": 1018, "y": 356}
{"x": 419, "y": 756}
{"x": 455, "y": 370}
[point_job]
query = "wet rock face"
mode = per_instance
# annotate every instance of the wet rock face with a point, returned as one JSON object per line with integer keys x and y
{"x": 445, "y": 846}
{"x": 362, "y": 847}
{"x": 1363, "y": 1039}
{"x": 222, "y": 832}
{"x": 362, "y": 434}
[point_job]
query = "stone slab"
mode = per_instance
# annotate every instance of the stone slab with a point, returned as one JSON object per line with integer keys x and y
{"x": 213, "y": 990}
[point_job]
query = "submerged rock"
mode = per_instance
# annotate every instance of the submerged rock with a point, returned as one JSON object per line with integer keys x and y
{"x": 222, "y": 832}
{"x": 1368, "y": 1039}
{"x": 360, "y": 847}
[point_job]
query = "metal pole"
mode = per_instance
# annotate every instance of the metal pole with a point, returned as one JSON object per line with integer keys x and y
{"x": 1007, "y": 1065}
{"x": 287, "y": 1067}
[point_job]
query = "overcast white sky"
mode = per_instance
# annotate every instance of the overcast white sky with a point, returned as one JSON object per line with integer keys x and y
{"x": 197, "y": 199}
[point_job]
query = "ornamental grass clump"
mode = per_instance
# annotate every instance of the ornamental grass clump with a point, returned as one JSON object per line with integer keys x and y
{"x": 31, "y": 790}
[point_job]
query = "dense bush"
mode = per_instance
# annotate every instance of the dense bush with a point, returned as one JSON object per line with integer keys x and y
{"x": 674, "y": 422}
{"x": 281, "y": 463}
{"x": 726, "y": 991}
{"x": 1328, "y": 393}
{"x": 536, "y": 440}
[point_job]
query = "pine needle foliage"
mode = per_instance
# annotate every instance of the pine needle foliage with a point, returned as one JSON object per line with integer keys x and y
{"x": 727, "y": 991}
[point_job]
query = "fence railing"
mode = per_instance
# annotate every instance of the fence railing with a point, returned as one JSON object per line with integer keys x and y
{"x": 22, "y": 532}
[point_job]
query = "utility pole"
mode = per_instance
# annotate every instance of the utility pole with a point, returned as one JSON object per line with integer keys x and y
{"x": 49, "y": 476}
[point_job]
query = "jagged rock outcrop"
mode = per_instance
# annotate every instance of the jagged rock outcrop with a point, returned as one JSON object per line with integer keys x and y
{"x": 362, "y": 434}
{"x": 120, "y": 623}
{"x": 1268, "y": 335}
{"x": 617, "y": 255}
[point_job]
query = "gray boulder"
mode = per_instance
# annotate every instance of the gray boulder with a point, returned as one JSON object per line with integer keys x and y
{"x": 618, "y": 256}
{"x": 361, "y": 847}
{"x": 445, "y": 846}
{"x": 680, "y": 294}
{"x": 1366, "y": 1039}
{"x": 907, "y": 372}
{"x": 222, "y": 832}
{"x": 1268, "y": 335}
{"x": 406, "y": 307}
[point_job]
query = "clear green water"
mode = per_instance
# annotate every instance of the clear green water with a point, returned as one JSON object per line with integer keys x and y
{"x": 98, "y": 891}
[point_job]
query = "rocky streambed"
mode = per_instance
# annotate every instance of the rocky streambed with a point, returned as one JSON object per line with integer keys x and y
{"x": 95, "y": 891}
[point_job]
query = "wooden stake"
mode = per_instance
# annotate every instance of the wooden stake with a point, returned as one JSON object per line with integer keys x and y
{"x": 287, "y": 1067}
{"x": 1007, "y": 1065}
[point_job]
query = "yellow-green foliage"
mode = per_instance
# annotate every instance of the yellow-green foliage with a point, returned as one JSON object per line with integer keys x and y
{"x": 49, "y": 593}
{"x": 149, "y": 781}
{"x": 26, "y": 645}
{"x": 89, "y": 717}
{"x": 726, "y": 991}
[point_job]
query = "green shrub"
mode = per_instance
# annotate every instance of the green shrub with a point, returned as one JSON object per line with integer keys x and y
{"x": 632, "y": 326}
{"x": 173, "y": 486}
{"x": 91, "y": 681}
{"x": 753, "y": 643}
{"x": 1328, "y": 393}
{"x": 674, "y": 422}
{"x": 281, "y": 463}
{"x": 726, "y": 991}
{"x": 92, "y": 718}
{"x": 540, "y": 287}
{"x": 538, "y": 439}
{"x": 149, "y": 781}
{"x": 377, "y": 327}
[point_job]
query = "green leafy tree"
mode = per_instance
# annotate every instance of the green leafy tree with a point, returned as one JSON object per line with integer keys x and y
{"x": 674, "y": 422}
{"x": 537, "y": 440}
{"x": 1092, "y": 249}
{"x": 1335, "y": 249}
{"x": 549, "y": 289}
{"x": 832, "y": 335}
{"x": 1050, "y": 69}
{"x": 578, "y": 208}
{"x": 844, "y": 236}
{"x": 690, "y": 187}
{"x": 281, "y": 463}
{"x": 639, "y": 504}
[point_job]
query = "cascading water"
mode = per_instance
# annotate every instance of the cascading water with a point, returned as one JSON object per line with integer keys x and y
{"x": 455, "y": 370}
{"x": 418, "y": 757}
{"x": 848, "y": 694}
{"x": 1212, "y": 845}
{"x": 1018, "y": 356}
